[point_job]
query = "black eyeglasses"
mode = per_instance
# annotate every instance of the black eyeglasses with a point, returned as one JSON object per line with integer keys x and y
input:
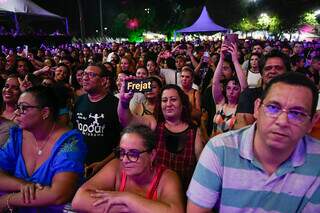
{"x": 132, "y": 154}
{"x": 22, "y": 108}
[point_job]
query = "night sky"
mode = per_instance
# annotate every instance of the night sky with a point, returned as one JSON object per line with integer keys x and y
{"x": 223, "y": 12}
{"x": 111, "y": 8}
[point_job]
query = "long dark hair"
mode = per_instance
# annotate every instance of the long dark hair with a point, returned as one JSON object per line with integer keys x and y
{"x": 186, "y": 108}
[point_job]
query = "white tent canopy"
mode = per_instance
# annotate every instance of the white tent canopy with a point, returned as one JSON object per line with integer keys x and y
{"x": 26, "y": 7}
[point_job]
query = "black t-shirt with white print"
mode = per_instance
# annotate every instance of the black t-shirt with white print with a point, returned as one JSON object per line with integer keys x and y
{"x": 99, "y": 124}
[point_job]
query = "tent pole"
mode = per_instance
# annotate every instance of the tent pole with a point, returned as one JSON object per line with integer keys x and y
{"x": 16, "y": 23}
{"x": 67, "y": 26}
{"x": 81, "y": 17}
{"x": 101, "y": 19}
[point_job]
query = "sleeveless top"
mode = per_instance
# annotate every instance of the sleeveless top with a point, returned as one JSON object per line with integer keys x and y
{"x": 222, "y": 121}
{"x": 152, "y": 190}
{"x": 176, "y": 151}
{"x": 253, "y": 79}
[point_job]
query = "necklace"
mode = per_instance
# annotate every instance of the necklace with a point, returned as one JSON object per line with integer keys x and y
{"x": 40, "y": 149}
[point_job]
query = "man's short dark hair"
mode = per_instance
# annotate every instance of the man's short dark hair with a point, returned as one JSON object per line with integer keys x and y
{"x": 294, "y": 79}
{"x": 181, "y": 57}
{"x": 103, "y": 70}
{"x": 295, "y": 59}
{"x": 277, "y": 54}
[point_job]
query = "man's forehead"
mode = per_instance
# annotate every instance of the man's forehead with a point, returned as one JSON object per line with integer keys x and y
{"x": 92, "y": 69}
{"x": 274, "y": 61}
{"x": 299, "y": 96}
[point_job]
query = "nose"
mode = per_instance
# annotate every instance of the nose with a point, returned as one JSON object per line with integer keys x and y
{"x": 125, "y": 159}
{"x": 282, "y": 119}
{"x": 85, "y": 77}
{"x": 17, "y": 112}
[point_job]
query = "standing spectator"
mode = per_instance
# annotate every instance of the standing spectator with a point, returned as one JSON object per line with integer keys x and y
{"x": 187, "y": 76}
{"x": 254, "y": 71}
{"x": 315, "y": 69}
{"x": 274, "y": 64}
{"x": 226, "y": 97}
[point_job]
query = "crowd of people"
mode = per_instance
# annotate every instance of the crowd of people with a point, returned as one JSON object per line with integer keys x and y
{"x": 230, "y": 127}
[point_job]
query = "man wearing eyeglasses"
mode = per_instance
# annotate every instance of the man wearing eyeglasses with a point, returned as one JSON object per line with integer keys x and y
{"x": 270, "y": 166}
{"x": 274, "y": 64}
{"x": 95, "y": 116}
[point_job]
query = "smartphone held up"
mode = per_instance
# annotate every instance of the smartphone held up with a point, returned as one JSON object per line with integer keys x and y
{"x": 230, "y": 38}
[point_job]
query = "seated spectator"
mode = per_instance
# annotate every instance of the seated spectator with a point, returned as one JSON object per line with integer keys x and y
{"x": 132, "y": 183}
{"x": 10, "y": 95}
{"x": 226, "y": 97}
{"x": 95, "y": 115}
{"x": 268, "y": 164}
{"x": 179, "y": 141}
{"x": 41, "y": 163}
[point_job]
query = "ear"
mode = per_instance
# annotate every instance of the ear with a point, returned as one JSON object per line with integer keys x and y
{"x": 104, "y": 81}
{"x": 153, "y": 155}
{"x": 45, "y": 113}
{"x": 315, "y": 120}
{"x": 257, "y": 104}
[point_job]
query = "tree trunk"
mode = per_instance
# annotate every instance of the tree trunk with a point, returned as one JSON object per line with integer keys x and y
{"x": 82, "y": 26}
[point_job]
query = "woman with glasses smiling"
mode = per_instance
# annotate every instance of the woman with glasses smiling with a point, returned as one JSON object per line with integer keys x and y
{"x": 132, "y": 183}
{"x": 42, "y": 162}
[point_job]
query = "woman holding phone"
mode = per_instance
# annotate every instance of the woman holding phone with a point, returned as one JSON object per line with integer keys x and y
{"x": 227, "y": 83}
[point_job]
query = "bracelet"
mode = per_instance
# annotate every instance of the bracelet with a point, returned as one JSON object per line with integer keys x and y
{"x": 8, "y": 204}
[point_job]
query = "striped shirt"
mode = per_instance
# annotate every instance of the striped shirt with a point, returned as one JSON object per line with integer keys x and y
{"x": 228, "y": 177}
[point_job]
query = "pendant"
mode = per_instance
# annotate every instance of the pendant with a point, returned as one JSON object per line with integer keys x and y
{"x": 39, "y": 152}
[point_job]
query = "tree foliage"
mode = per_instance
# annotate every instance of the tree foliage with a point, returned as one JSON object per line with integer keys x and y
{"x": 309, "y": 18}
